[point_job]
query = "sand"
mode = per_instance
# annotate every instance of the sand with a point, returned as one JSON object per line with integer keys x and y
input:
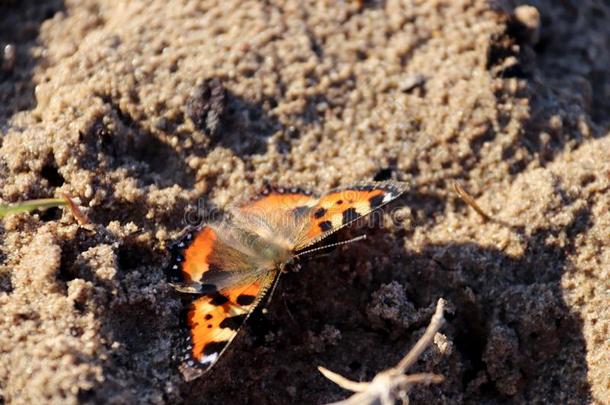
{"x": 145, "y": 111}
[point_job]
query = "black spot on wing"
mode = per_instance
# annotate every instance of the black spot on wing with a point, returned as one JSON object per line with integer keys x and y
{"x": 208, "y": 317}
{"x": 245, "y": 299}
{"x": 350, "y": 215}
{"x": 214, "y": 347}
{"x": 219, "y": 299}
{"x": 377, "y": 200}
{"x": 325, "y": 226}
{"x": 233, "y": 322}
{"x": 320, "y": 212}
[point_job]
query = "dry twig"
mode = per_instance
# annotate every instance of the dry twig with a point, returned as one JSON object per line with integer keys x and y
{"x": 393, "y": 383}
{"x": 468, "y": 199}
{"x": 80, "y": 216}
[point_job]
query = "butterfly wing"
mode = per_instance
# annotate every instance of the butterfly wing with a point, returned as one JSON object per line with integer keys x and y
{"x": 343, "y": 206}
{"x": 216, "y": 262}
{"x": 298, "y": 220}
{"x": 214, "y": 257}
{"x": 279, "y": 215}
{"x": 214, "y": 321}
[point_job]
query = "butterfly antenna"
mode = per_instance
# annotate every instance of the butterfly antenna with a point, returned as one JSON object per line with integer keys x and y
{"x": 345, "y": 242}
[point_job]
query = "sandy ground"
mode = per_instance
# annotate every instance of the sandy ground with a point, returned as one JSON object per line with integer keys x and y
{"x": 103, "y": 100}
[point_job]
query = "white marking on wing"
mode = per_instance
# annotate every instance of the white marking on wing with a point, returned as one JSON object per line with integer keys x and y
{"x": 209, "y": 358}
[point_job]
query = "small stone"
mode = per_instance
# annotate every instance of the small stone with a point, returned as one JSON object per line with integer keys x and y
{"x": 9, "y": 58}
{"x": 411, "y": 82}
{"x": 529, "y": 17}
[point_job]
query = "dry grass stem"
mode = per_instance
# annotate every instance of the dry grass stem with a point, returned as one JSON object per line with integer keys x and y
{"x": 80, "y": 216}
{"x": 468, "y": 199}
{"x": 392, "y": 384}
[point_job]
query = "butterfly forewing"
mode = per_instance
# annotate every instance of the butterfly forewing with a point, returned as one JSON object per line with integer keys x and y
{"x": 343, "y": 206}
{"x": 278, "y": 216}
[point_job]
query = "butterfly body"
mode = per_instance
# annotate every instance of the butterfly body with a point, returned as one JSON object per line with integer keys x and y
{"x": 232, "y": 263}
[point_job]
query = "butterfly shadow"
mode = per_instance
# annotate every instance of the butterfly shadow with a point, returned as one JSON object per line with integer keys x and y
{"x": 356, "y": 311}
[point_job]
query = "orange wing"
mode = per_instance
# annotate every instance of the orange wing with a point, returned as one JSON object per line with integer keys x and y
{"x": 198, "y": 255}
{"x": 212, "y": 263}
{"x": 207, "y": 260}
{"x": 280, "y": 214}
{"x": 214, "y": 321}
{"x": 278, "y": 201}
{"x": 341, "y": 207}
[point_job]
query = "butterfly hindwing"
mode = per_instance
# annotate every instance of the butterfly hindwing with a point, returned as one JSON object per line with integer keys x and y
{"x": 214, "y": 321}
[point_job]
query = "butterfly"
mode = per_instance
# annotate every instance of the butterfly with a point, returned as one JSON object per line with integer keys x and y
{"x": 231, "y": 263}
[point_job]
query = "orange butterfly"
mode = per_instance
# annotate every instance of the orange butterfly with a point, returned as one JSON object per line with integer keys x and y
{"x": 232, "y": 263}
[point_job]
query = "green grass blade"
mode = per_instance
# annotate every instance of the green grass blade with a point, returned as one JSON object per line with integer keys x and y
{"x": 31, "y": 205}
